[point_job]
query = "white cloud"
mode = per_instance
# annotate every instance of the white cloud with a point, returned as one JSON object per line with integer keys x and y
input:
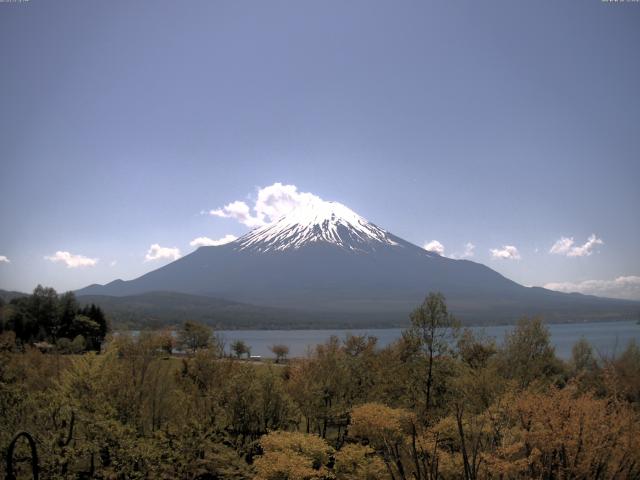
{"x": 587, "y": 248}
{"x": 566, "y": 246}
{"x": 4, "y": 259}
{"x": 156, "y": 252}
{"x": 209, "y": 242}
{"x": 435, "y": 247}
{"x": 113, "y": 263}
{"x": 469, "y": 251}
{"x": 241, "y": 212}
{"x": 562, "y": 246}
{"x": 272, "y": 202}
{"x": 277, "y": 200}
{"x": 507, "y": 252}
{"x": 621, "y": 287}
{"x": 71, "y": 260}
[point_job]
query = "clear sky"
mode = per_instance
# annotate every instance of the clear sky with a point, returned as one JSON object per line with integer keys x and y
{"x": 507, "y": 125}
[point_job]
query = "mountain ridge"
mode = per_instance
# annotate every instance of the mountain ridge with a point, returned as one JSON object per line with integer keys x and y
{"x": 323, "y": 257}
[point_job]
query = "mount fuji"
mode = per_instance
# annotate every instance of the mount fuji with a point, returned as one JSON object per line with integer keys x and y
{"x": 323, "y": 262}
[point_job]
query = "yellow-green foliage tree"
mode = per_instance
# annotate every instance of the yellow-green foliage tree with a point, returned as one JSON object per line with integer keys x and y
{"x": 322, "y": 388}
{"x": 302, "y": 456}
{"x": 359, "y": 462}
{"x": 292, "y": 456}
{"x": 390, "y": 432}
{"x": 622, "y": 374}
{"x": 556, "y": 434}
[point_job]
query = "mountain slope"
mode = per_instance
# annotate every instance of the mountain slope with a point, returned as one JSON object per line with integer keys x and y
{"x": 155, "y": 309}
{"x": 7, "y": 295}
{"x": 324, "y": 258}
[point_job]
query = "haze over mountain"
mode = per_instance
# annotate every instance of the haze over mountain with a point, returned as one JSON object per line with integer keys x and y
{"x": 323, "y": 260}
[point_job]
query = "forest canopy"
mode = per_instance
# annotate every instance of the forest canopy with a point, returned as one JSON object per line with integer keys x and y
{"x": 421, "y": 408}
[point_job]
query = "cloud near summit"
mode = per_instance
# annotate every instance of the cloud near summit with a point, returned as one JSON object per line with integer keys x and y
{"x": 156, "y": 252}
{"x": 272, "y": 202}
{"x": 210, "y": 242}
{"x": 434, "y": 246}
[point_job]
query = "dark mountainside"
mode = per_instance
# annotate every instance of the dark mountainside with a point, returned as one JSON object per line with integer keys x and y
{"x": 323, "y": 265}
{"x": 7, "y": 296}
{"x": 156, "y": 309}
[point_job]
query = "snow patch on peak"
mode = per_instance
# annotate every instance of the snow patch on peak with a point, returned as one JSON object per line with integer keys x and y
{"x": 317, "y": 221}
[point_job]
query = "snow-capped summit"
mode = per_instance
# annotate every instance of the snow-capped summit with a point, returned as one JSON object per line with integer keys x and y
{"x": 317, "y": 221}
{"x": 323, "y": 262}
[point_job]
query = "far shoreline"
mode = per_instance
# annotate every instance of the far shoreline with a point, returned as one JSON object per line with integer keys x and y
{"x": 340, "y": 327}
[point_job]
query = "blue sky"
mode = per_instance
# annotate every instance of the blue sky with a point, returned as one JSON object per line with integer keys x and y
{"x": 495, "y": 123}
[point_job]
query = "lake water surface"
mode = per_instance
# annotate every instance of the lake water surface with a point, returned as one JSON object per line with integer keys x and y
{"x": 605, "y": 337}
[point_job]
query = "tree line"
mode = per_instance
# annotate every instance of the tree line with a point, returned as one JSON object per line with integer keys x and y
{"x": 53, "y": 321}
{"x": 440, "y": 403}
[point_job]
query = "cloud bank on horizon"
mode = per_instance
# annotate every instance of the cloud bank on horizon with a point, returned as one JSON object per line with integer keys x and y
{"x": 625, "y": 287}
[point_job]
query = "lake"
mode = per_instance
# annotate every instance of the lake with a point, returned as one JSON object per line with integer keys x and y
{"x": 605, "y": 337}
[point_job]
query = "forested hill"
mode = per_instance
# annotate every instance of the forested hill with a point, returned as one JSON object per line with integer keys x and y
{"x": 157, "y": 309}
{"x": 7, "y": 296}
{"x": 161, "y": 308}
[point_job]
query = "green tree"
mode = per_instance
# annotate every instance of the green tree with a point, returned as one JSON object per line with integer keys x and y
{"x": 280, "y": 351}
{"x": 582, "y": 358}
{"x": 528, "y": 355}
{"x": 95, "y": 313}
{"x": 78, "y": 345}
{"x": 46, "y": 316}
{"x": 67, "y": 310}
{"x": 194, "y": 336}
{"x": 18, "y": 319}
{"x": 43, "y": 306}
{"x": 475, "y": 350}
{"x": 432, "y": 328}
{"x": 240, "y": 348}
{"x": 85, "y": 326}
